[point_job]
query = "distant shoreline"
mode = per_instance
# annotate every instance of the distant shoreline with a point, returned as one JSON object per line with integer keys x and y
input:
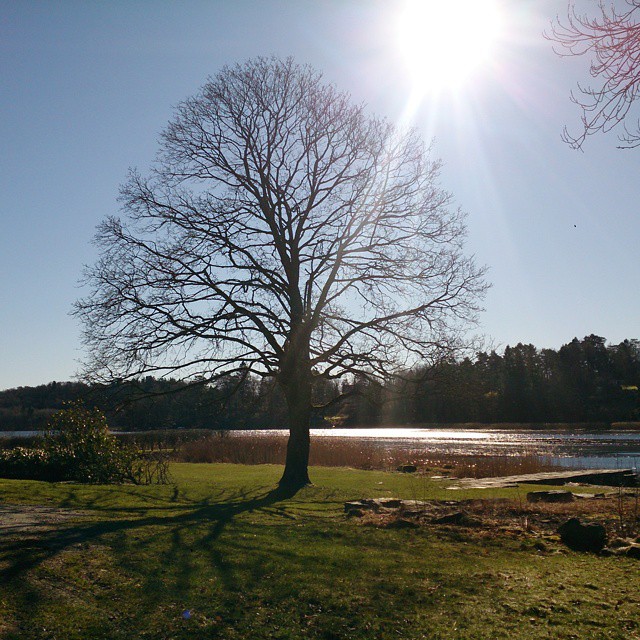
{"x": 632, "y": 426}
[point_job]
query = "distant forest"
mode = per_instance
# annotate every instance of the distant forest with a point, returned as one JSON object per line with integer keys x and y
{"x": 585, "y": 380}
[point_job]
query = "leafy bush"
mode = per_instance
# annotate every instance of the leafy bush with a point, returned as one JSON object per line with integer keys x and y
{"x": 79, "y": 447}
{"x": 78, "y": 442}
{"x": 22, "y": 463}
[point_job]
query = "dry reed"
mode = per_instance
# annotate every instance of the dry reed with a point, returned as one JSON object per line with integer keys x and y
{"x": 354, "y": 453}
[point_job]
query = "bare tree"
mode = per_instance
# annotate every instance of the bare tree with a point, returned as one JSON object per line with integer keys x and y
{"x": 612, "y": 39}
{"x": 282, "y": 232}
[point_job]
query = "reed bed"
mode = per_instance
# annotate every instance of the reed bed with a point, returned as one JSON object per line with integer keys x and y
{"x": 490, "y": 466}
{"x": 628, "y": 426}
{"x": 225, "y": 447}
{"x": 357, "y": 454}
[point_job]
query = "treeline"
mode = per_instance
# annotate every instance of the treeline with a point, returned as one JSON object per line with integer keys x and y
{"x": 236, "y": 402}
{"x": 584, "y": 381}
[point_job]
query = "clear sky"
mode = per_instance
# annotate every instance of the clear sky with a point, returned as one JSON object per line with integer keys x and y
{"x": 87, "y": 87}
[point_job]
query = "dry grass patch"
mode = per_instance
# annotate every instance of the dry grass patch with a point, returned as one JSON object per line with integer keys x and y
{"x": 515, "y": 518}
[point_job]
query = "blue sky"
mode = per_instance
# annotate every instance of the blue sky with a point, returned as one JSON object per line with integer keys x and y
{"x": 88, "y": 86}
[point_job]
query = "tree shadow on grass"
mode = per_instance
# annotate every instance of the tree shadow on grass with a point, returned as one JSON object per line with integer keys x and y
{"x": 20, "y": 553}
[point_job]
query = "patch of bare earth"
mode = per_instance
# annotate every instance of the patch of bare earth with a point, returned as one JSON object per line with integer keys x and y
{"x": 26, "y": 525}
{"x": 20, "y": 519}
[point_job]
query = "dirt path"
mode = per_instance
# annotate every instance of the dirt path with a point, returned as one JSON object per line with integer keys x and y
{"x": 23, "y": 518}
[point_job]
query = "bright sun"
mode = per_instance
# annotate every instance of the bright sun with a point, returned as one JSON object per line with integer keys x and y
{"x": 443, "y": 42}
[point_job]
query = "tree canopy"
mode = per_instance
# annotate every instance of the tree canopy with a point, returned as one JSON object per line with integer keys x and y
{"x": 612, "y": 40}
{"x": 285, "y": 233}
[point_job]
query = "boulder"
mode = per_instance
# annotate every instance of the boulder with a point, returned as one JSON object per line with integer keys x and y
{"x": 630, "y": 551}
{"x": 407, "y": 468}
{"x": 550, "y": 496}
{"x": 616, "y": 543}
{"x": 350, "y": 507}
{"x": 583, "y": 537}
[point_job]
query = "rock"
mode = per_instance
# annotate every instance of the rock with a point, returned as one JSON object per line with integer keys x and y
{"x": 550, "y": 496}
{"x": 628, "y": 549}
{"x": 583, "y": 537}
{"x": 387, "y": 503}
{"x": 373, "y": 504}
{"x": 381, "y": 504}
{"x": 359, "y": 505}
{"x": 407, "y": 468}
{"x": 614, "y": 551}
{"x": 414, "y": 508}
{"x": 459, "y": 518}
{"x": 414, "y": 504}
{"x": 616, "y": 543}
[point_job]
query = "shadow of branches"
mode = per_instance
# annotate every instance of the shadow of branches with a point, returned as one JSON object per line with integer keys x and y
{"x": 20, "y": 553}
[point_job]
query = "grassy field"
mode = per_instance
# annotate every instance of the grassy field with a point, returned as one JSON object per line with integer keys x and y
{"x": 79, "y": 562}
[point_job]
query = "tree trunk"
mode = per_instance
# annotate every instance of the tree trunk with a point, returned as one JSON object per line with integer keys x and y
{"x": 297, "y": 391}
{"x": 296, "y": 470}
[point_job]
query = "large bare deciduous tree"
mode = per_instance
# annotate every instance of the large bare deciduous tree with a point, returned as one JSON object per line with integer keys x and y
{"x": 282, "y": 232}
{"x": 612, "y": 40}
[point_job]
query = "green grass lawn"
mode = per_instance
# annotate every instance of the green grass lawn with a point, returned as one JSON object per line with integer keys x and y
{"x": 250, "y": 564}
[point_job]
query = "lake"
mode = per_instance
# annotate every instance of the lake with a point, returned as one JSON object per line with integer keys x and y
{"x": 490, "y": 451}
{"x": 547, "y": 450}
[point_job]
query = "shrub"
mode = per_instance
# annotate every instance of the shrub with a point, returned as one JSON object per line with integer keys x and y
{"x": 23, "y": 463}
{"x": 79, "y": 447}
{"x": 78, "y": 442}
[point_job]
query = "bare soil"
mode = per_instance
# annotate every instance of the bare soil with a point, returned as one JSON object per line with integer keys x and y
{"x": 22, "y": 518}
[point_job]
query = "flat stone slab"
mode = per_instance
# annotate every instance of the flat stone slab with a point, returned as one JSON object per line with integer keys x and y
{"x": 600, "y": 477}
{"x": 384, "y": 504}
{"x": 555, "y": 495}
